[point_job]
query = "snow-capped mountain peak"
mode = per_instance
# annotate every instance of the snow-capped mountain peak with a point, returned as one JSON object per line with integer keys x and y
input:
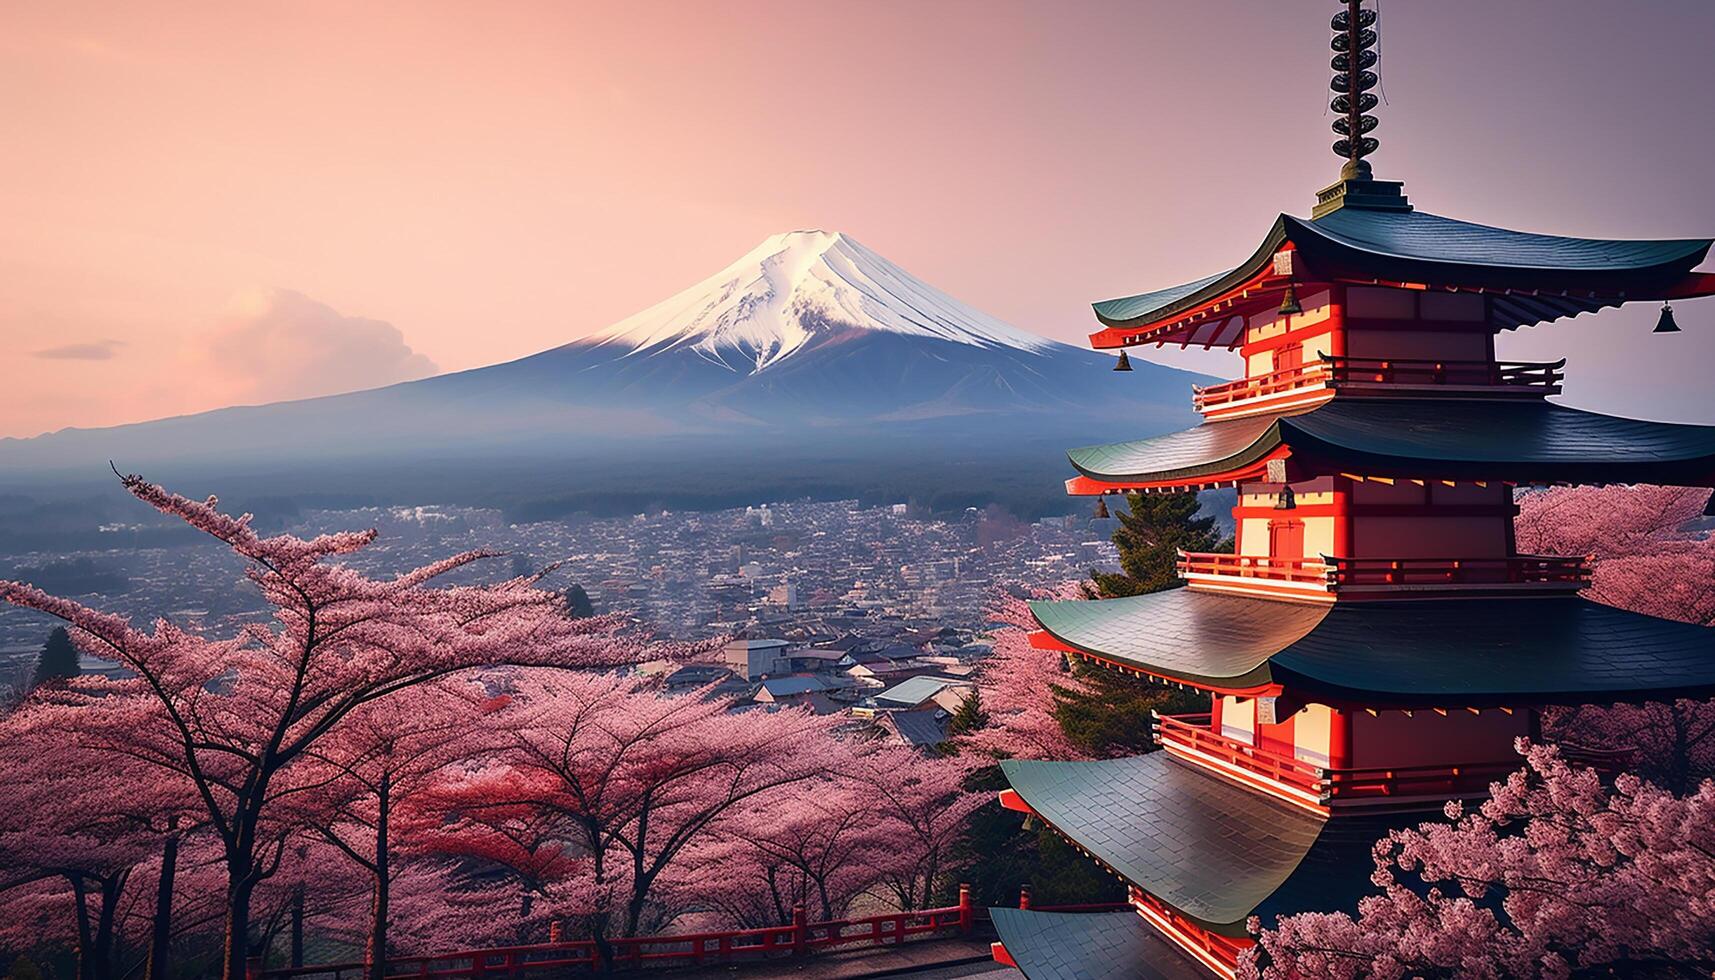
{"x": 799, "y": 289}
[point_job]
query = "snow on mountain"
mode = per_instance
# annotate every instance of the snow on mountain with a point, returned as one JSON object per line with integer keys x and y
{"x": 808, "y": 344}
{"x": 796, "y": 290}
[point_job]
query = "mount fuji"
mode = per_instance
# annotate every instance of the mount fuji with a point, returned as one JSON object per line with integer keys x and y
{"x": 811, "y": 362}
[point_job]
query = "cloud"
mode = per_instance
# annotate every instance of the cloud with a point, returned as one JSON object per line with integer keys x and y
{"x": 279, "y": 344}
{"x": 99, "y": 350}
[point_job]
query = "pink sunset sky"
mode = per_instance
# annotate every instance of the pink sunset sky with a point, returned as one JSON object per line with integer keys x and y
{"x": 215, "y": 203}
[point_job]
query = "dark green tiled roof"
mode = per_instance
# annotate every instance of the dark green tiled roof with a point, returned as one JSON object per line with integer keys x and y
{"x": 1424, "y": 237}
{"x": 1417, "y": 247}
{"x": 1211, "y": 447}
{"x": 1435, "y": 652}
{"x": 1472, "y": 651}
{"x": 1194, "y": 636}
{"x": 1131, "y": 307}
{"x": 1527, "y": 441}
{"x": 1205, "y": 846}
{"x": 1089, "y": 946}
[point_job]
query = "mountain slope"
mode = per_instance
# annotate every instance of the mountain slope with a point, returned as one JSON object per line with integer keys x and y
{"x": 808, "y": 346}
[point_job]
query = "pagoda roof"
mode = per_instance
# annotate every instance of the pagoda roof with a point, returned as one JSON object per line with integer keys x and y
{"x": 1211, "y": 849}
{"x": 1523, "y": 441}
{"x": 1536, "y": 277}
{"x": 1467, "y": 652}
{"x": 1088, "y": 946}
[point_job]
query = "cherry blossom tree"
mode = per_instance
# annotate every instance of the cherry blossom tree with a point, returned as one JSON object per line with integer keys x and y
{"x": 383, "y": 755}
{"x": 1019, "y": 683}
{"x": 625, "y": 779}
{"x": 1556, "y": 875}
{"x": 229, "y": 715}
{"x": 75, "y": 823}
{"x": 1652, "y": 556}
{"x": 818, "y": 844}
{"x": 922, "y": 809}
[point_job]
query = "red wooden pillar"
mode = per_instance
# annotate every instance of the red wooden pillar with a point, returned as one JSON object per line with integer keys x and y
{"x": 253, "y": 968}
{"x": 800, "y": 934}
{"x": 1024, "y": 896}
{"x": 1339, "y": 738}
{"x": 967, "y": 915}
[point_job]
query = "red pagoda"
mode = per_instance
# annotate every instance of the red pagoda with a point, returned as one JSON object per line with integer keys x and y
{"x": 1375, "y": 643}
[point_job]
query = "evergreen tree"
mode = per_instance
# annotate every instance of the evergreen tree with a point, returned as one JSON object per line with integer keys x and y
{"x": 970, "y": 715}
{"x": 578, "y": 602}
{"x": 59, "y": 659}
{"x": 1153, "y": 529}
{"x": 1113, "y": 718}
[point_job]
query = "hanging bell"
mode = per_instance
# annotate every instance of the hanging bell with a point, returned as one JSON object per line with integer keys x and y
{"x": 1666, "y": 324}
{"x": 1124, "y": 363}
{"x": 1101, "y": 508}
{"x": 1289, "y": 302}
{"x": 1287, "y": 500}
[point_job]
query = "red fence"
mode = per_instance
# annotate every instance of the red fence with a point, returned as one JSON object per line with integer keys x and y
{"x": 1435, "y": 780}
{"x": 581, "y": 955}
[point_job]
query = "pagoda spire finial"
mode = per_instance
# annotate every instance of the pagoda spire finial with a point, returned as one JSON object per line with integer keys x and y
{"x": 1354, "y": 45}
{"x": 1354, "y": 55}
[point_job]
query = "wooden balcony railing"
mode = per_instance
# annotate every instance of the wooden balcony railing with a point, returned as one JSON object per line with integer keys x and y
{"x": 1574, "y": 573}
{"x": 1402, "y": 573}
{"x": 1540, "y": 375}
{"x": 1273, "y": 383}
{"x": 1265, "y": 567}
{"x": 1192, "y": 732}
{"x": 1499, "y": 377}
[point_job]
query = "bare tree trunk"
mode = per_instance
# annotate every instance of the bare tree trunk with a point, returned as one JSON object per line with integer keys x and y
{"x": 85, "y": 937}
{"x": 298, "y": 926}
{"x": 235, "y": 952}
{"x": 377, "y": 952}
{"x": 161, "y": 930}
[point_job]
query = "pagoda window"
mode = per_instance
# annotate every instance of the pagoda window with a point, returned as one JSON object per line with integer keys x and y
{"x": 1238, "y": 719}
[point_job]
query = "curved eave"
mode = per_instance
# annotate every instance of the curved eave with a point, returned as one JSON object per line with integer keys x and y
{"x": 1210, "y": 849}
{"x": 1517, "y": 442}
{"x": 1526, "y": 290}
{"x": 1213, "y": 452}
{"x": 1497, "y": 652}
{"x": 1433, "y": 653}
{"x": 1140, "y": 314}
{"x": 1087, "y": 946}
{"x": 1216, "y": 642}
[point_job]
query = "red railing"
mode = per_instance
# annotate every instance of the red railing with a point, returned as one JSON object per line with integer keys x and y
{"x": 1254, "y": 566}
{"x": 1524, "y": 377}
{"x": 1273, "y": 383}
{"x": 1419, "y": 372}
{"x": 581, "y": 955}
{"x": 1192, "y": 732}
{"x": 1336, "y": 573}
{"x": 1512, "y": 570}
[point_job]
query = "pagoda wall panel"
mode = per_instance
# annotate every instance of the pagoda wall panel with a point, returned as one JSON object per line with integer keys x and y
{"x": 1429, "y": 536}
{"x": 1422, "y": 345}
{"x": 1421, "y": 738}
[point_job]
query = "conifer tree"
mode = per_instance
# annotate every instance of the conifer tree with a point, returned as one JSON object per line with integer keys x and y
{"x": 1153, "y": 529}
{"x": 578, "y": 602}
{"x": 970, "y": 717}
{"x": 59, "y": 659}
